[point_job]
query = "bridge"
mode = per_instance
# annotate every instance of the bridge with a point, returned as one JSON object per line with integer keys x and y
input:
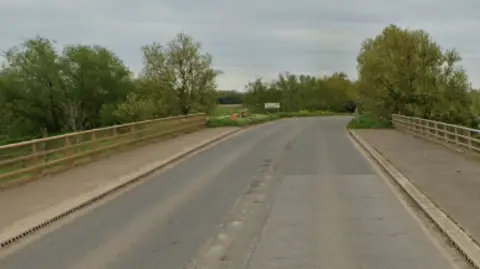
{"x": 293, "y": 193}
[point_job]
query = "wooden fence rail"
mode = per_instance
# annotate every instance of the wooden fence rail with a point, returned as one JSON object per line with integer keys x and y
{"x": 31, "y": 159}
{"x": 463, "y": 138}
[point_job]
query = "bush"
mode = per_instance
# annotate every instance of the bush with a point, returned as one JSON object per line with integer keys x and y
{"x": 305, "y": 113}
{"x": 239, "y": 121}
{"x": 4, "y": 140}
{"x": 369, "y": 121}
{"x": 221, "y": 121}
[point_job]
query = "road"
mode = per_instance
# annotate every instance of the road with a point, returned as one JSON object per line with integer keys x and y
{"x": 295, "y": 193}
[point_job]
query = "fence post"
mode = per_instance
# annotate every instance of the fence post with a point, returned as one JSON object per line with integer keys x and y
{"x": 94, "y": 141}
{"x": 68, "y": 151}
{"x": 132, "y": 130}
{"x": 115, "y": 133}
{"x": 470, "y": 140}
{"x": 424, "y": 129}
{"x": 456, "y": 136}
{"x": 445, "y": 132}
{"x": 36, "y": 160}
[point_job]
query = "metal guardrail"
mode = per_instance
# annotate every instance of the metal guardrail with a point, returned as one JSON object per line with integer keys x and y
{"x": 32, "y": 159}
{"x": 464, "y": 138}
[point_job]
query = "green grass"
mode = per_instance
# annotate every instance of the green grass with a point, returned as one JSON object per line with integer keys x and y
{"x": 225, "y": 110}
{"x": 306, "y": 113}
{"x": 223, "y": 120}
{"x": 239, "y": 121}
{"x": 369, "y": 121}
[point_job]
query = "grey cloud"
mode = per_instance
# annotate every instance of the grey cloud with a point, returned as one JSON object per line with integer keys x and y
{"x": 247, "y": 38}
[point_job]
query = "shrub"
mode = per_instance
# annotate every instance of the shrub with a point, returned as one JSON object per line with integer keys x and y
{"x": 240, "y": 121}
{"x": 305, "y": 113}
{"x": 369, "y": 121}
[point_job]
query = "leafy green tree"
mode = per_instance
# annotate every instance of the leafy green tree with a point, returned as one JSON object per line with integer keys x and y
{"x": 182, "y": 74}
{"x": 45, "y": 92}
{"x": 404, "y": 71}
{"x": 303, "y": 92}
{"x": 93, "y": 77}
{"x": 258, "y": 93}
{"x": 475, "y": 97}
{"x": 135, "y": 108}
{"x": 229, "y": 97}
{"x": 30, "y": 86}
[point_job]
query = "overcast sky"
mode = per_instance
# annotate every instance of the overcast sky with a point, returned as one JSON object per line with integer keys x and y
{"x": 247, "y": 38}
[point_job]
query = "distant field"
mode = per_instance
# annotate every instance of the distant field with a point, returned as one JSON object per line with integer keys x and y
{"x": 234, "y": 105}
{"x": 225, "y": 109}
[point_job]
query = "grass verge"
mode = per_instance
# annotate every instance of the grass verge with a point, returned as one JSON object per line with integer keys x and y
{"x": 369, "y": 121}
{"x": 308, "y": 114}
{"x": 224, "y": 121}
{"x": 225, "y": 110}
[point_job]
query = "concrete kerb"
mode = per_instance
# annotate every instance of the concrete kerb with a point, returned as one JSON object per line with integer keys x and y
{"x": 462, "y": 241}
{"x": 42, "y": 219}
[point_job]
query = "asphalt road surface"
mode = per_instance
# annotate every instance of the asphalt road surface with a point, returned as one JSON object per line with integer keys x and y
{"x": 295, "y": 193}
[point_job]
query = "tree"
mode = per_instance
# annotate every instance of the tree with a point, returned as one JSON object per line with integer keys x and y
{"x": 182, "y": 74}
{"x": 475, "y": 96}
{"x": 258, "y": 93}
{"x": 135, "y": 108}
{"x": 404, "y": 71}
{"x": 43, "y": 92}
{"x": 295, "y": 93}
{"x": 230, "y": 97}
{"x": 93, "y": 77}
{"x": 30, "y": 86}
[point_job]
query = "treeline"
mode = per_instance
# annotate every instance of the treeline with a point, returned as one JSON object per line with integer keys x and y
{"x": 44, "y": 91}
{"x": 232, "y": 97}
{"x": 404, "y": 71}
{"x": 400, "y": 71}
{"x": 335, "y": 93}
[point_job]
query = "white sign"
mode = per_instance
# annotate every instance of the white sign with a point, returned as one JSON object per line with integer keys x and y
{"x": 272, "y": 105}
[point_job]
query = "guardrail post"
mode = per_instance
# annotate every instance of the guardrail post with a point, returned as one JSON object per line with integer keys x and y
{"x": 424, "y": 129}
{"x": 469, "y": 140}
{"x": 456, "y": 136}
{"x": 431, "y": 129}
{"x": 132, "y": 132}
{"x": 68, "y": 151}
{"x": 36, "y": 160}
{"x": 94, "y": 141}
{"x": 115, "y": 133}
{"x": 445, "y": 133}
